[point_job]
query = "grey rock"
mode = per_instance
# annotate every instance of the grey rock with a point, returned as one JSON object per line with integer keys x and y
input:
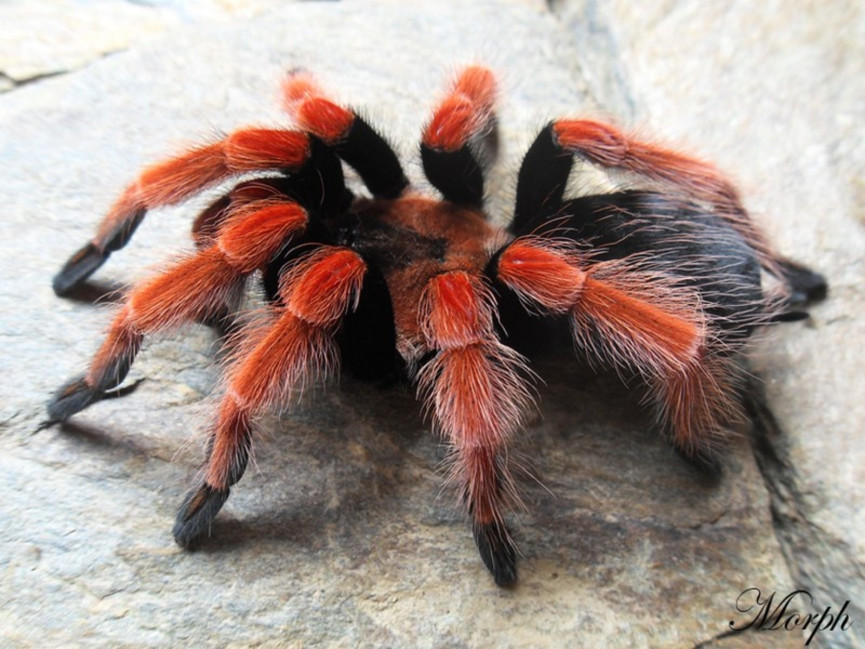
{"x": 42, "y": 38}
{"x": 339, "y": 535}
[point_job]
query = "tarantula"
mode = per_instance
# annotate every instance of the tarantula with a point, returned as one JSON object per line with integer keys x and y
{"x": 664, "y": 282}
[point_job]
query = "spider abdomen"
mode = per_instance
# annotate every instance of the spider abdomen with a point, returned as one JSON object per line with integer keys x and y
{"x": 682, "y": 239}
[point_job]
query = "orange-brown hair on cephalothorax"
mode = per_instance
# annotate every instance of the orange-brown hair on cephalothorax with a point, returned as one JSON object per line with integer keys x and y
{"x": 665, "y": 282}
{"x": 412, "y": 239}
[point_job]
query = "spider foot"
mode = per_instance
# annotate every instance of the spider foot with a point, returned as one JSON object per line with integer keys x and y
{"x": 199, "y": 508}
{"x": 80, "y": 266}
{"x": 497, "y": 552}
{"x": 73, "y": 397}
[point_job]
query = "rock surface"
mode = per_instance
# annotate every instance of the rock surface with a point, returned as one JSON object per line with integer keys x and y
{"x": 340, "y": 535}
{"x": 44, "y": 38}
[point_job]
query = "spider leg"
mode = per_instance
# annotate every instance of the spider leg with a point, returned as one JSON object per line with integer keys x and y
{"x": 199, "y": 286}
{"x": 208, "y": 224}
{"x": 177, "y": 179}
{"x": 476, "y": 390}
{"x": 605, "y": 145}
{"x": 319, "y": 186}
{"x": 541, "y": 182}
{"x": 460, "y": 138}
{"x": 297, "y": 347}
{"x": 350, "y": 137}
{"x": 545, "y": 169}
{"x": 633, "y": 318}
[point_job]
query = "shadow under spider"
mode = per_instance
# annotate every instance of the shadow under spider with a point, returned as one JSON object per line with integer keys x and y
{"x": 97, "y": 292}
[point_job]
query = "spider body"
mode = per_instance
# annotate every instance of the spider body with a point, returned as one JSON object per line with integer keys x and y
{"x": 411, "y": 240}
{"x": 665, "y": 283}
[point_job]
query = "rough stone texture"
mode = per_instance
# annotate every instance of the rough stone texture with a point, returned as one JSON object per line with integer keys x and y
{"x": 43, "y": 38}
{"x": 339, "y": 535}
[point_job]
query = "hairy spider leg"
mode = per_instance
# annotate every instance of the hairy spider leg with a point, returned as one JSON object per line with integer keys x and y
{"x": 541, "y": 183}
{"x": 350, "y": 137}
{"x": 297, "y": 347}
{"x": 476, "y": 390}
{"x": 318, "y": 185}
{"x": 549, "y": 160}
{"x": 198, "y": 287}
{"x": 632, "y": 318}
{"x": 206, "y": 227}
{"x": 177, "y": 179}
{"x": 607, "y": 146}
{"x": 544, "y": 175}
{"x": 460, "y": 140}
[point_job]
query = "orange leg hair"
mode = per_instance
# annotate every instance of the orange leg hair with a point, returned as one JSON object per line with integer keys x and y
{"x": 198, "y": 287}
{"x": 607, "y": 146}
{"x": 633, "y": 319}
{"x": 349, "y": 136}
{"x": 460, "y": 139}
{"x": 476, "y": 391}
{"x": 307, "y": 104}
{"x": 177, "y": 179}
{"x": 297, "y": 347}
{"x": 206, "y": 227}
{"x": 465, "y": 113}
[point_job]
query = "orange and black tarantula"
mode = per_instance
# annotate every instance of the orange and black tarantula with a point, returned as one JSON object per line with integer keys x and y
{"x": 664, "y": 282}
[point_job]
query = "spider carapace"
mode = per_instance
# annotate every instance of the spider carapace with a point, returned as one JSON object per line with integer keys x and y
{"x": 663, "y": 279}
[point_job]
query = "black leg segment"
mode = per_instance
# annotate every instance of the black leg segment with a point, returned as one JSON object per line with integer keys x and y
{"x": 541, "y": 182}
{"x": 456, "y": 174}
{"x": 373, "y": 158}
{"x": 199, "y": 508}
{"x": 88, "y": 259}
{"x": 497, "y": 552}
